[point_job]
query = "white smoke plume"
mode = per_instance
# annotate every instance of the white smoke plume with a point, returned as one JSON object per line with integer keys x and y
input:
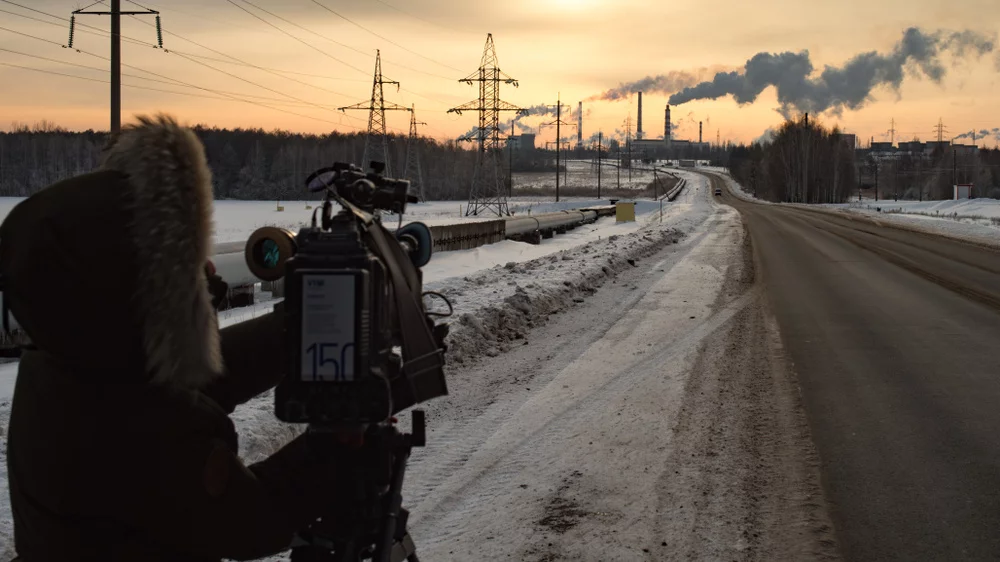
{"x": 660, "y": 84}
{"x": 981, "y": 134}
{"x": 848, "y": 86}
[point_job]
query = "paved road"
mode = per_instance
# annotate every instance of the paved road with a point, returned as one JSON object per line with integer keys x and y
{"x": 895, "y": 337}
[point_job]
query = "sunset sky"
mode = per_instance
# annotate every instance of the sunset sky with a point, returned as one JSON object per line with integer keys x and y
{"x": 576, "y": 48}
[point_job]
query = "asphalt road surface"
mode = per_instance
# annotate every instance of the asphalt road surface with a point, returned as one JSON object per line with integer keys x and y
{"x": 894, "y": 337}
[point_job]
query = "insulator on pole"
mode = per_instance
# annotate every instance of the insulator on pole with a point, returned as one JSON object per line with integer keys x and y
{"x": 159, "y": 32}
{"x": 72, "y": 28}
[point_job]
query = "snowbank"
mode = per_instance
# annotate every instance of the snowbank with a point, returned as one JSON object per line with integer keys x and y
{"x": 976, "y": 220}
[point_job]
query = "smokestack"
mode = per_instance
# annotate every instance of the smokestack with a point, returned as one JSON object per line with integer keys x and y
{"x": 699, "y": 132}
{"x": 638, "y": 130}
{"x": 666, "y": 126}
{"x": 579, "y": 125}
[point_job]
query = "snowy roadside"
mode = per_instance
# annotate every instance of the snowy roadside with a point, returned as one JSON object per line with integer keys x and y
{"x": 976, "y": 220}
{"x": 494, "y": 308}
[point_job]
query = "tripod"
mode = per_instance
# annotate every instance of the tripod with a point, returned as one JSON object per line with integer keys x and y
{"x": 370, "y": 522}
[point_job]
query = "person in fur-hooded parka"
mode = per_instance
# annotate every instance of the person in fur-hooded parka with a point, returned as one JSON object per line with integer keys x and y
{"x": 120, "y": 446}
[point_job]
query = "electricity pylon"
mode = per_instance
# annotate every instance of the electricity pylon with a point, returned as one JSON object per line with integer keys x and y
{"x": 116, "y": 14}
{"x": 488, "y": 191}
{"x": 413, "y": 159}
{"x": 376, "y": 108}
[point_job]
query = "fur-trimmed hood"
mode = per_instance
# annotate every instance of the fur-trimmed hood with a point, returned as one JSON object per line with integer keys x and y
{"x": 105, "y": 271}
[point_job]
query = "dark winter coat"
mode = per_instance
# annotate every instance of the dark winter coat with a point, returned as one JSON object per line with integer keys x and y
{"x": 120, "y": 446}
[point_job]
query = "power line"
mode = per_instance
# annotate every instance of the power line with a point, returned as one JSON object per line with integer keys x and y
{"x": 383, "y": 38}
{"x": 311, "y": 46}
{"x": 172, "y": 92}
{"x": 320, "y": 35}
{"x": 169, "y": 81}
{"x": 242, "y": 62}
{"x": 325, "y": 38}
{"x": 416, "y": 17}
{"x": 97, "y": 31}
{"x": 271, "y": 70}
{"x": 174, "y": 80}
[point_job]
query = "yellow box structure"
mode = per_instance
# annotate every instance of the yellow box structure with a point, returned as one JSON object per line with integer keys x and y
{"x": 625, "y": 212}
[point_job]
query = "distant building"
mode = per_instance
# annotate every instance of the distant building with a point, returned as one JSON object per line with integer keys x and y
{"x": 931, "y": 146}
{"x": 849, "y": 139}
{"x": 912, "y": 147}
{"x": 965, "y": 149}
{"x": 525, "y": 142}
{"x": 883, "y": 147}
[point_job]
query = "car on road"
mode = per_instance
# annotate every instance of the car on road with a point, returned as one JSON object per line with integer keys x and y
{"x": 718, "y": 191}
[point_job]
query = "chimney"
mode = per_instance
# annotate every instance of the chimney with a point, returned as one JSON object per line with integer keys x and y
{"x": 638, "y": 130}
{"x": 699, "y": 132}
{"x": 666, "y": 126}
{"x": 579, "y": 124}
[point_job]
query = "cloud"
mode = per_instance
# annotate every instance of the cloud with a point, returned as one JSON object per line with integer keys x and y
{"x": 849, "y": 86}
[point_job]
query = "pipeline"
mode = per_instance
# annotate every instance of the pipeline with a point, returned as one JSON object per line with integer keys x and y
{"x": 230, "y": 261}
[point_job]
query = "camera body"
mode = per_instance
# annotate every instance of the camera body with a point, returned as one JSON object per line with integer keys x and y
{"x": 338, "y": 331}
{"x": 346, "y": 280}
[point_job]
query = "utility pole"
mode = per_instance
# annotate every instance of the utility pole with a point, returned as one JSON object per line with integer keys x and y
{"x": 876, "y": 180}
{"x": 413, "y": 172}
{"x": 628, "y": 145}
{"x": 600, "y": 143}
{"x": 376, "y": 108}
{"x": 558, "y": 123}
{"x": 619, "y": 166}
{"x": 954, "y": 163}
{"x": 510, "y": 159}
{"x": 116, "y": 14}
{"x": 487, "y": 191}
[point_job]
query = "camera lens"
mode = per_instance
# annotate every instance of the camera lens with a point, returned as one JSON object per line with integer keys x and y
{"x": 271, "y": 253}
{"x": 267, "y": 250}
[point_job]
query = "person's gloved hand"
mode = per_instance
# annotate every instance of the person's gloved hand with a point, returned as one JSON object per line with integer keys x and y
{"x": 217, "y": 287}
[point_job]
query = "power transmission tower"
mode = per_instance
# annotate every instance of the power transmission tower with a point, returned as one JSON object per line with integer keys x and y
{"x": 413, "y": 172}
{"x": 487, "y": 192}
{"x": 376, "y": 108}
{"x": 941, "y": 130}
{"x": 116, "y": 14}
{"x": 558, "y": 123}
{"x": 892, "y": 132}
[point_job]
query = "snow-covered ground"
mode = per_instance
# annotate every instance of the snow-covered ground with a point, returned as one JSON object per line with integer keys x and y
{"x": 582, "y": 174}
{"x": 977, "y": 220}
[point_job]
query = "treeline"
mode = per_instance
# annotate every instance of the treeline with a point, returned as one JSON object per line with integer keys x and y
{"x": 931, "y": 176}
{"x": 804, "y": 162}
{"x": 246, "y": 163}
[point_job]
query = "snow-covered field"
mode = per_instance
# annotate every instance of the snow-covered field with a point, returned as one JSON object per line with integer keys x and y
{"x": 582, "y": 174}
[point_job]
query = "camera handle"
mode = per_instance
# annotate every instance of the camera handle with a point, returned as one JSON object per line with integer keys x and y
{"x": 370, "y": 522}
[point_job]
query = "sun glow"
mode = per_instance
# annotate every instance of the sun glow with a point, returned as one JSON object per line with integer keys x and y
{"x": 576, "y": 5}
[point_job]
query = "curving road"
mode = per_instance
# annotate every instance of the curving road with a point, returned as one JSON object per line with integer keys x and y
{"x": 895, "y": 338}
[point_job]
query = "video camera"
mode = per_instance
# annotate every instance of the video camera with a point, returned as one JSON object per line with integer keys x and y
{"x": 353, "y": 292}
{"x": 353, "y": 297}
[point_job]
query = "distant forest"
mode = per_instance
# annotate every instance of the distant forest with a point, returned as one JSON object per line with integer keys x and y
{"x": 803, "y": 162}
{"x": 246, "y": 163}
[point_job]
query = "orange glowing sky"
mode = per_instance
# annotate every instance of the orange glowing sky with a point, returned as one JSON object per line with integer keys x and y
{"x": 572, "y": 48}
